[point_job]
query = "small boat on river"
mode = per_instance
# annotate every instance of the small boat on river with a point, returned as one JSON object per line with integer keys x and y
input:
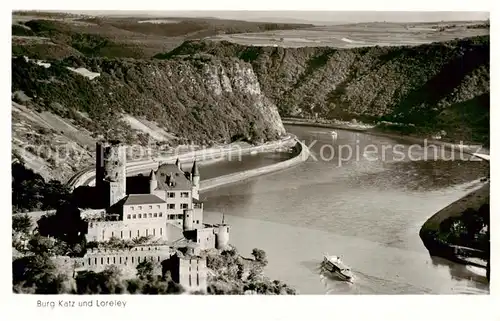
{"x": 334, "y": 265}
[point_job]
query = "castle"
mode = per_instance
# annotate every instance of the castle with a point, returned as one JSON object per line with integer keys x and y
{"x": 168, "y": 215}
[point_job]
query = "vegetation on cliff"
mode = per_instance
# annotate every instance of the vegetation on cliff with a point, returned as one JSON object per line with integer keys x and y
{"x": 30, "y": 191}
{"x": 203, "y": 101}
{"x": 436, "y": 87}
{"x": 233, "y": 274}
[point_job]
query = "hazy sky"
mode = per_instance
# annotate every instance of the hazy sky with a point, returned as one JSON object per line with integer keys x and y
{"x": 313, "y": 16}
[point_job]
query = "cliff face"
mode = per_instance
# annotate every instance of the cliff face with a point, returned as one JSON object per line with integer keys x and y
{"x": 438, "y": 86}
{"x": 200, "y": 100}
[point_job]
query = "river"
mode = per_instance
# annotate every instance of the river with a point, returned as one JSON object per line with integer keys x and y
{"x": 368, "y": 209}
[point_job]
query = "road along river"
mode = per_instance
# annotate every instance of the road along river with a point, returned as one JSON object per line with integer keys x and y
{"x": 366, "y": 208}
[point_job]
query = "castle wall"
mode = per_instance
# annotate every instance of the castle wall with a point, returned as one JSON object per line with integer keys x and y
{"x": 151, "y": 212}
{"x": 192, "y": 273}
{"x": 103, "y": 231}
{"x": 198, "y": 218}
{"x": 177, "y": 202}
{"x": 127, "y": 260}
{"x": 206, "y": 238}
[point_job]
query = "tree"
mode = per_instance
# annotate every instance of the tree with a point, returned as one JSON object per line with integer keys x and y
{"x": 21, "y": 224}
{"x": 145, "y": 270}
{"x": 260, "y": 256}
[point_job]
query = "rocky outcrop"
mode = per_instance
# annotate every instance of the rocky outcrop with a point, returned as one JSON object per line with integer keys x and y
{"x": 438, "y": 86}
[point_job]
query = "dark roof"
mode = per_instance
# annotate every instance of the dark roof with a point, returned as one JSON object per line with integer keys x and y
{"x": 134, "y": 199}
{"x": 195, "y": 171}
{"x": 162, "y": 176}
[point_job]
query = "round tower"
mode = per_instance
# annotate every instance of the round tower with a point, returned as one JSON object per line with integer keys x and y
{"x": 195, "y": 180}
{"x": 222, "y": 237}
{"x": 153, "y": 183}
{"x": 187, "y": 223}
{"x": 114, "y": 171}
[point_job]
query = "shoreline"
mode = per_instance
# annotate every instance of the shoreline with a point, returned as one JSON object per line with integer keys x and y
{"x": 473, "y": 199}
{"x": 467, "y": 149}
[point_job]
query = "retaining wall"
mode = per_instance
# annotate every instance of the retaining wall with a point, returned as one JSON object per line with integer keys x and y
{"x": 205, "y": 155}
{"x": 301, "y": 155}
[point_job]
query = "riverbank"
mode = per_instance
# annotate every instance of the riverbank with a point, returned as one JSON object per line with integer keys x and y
{"x": 205, "y": 156}
{"x": 300, "y": 154}
{"x": 372, "y": 130}
{"x": 432, "y": 228}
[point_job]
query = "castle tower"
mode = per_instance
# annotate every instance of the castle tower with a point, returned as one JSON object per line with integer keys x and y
{"x": 222, "y": 238}
{"x": 153, "y": 183}
{"x": 195, "y": 174}
{"x": 188, "y": 221}
{"x": 99, "y": 166}
{"x": 114, "y": 171}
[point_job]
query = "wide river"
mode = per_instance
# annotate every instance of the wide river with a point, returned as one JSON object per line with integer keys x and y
{"x": 367, "y": 208}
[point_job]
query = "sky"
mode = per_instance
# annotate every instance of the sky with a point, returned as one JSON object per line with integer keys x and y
{"x": 313, "y": 16}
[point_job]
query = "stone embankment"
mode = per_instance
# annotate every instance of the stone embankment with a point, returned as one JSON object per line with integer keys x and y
{"x": 301, "y": 154}
{"x": 372, "y": 130}
{"x": 86, "y": 176}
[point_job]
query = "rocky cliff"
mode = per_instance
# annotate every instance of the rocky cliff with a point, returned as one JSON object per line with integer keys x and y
{"x": 202, "y": 100}
{"x": 437, "y": 87}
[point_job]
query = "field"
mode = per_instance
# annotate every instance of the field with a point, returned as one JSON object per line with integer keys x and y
{"x": 360, "y": 35}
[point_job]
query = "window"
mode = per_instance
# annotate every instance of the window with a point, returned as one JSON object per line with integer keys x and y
{"x": 145, "y": 215}
{"x": 156, "y": 214}
{"x": 120, "y": 260}
{"x": 91, "y": 224}
{"x": 95, "y": 261}
{"x": 130, "y": 234}
{"x": 146, "y": 232}
{"x": 133, "y": 216}
{"x": 137, "y": 232}
{"x": 160, "y": 231}
{"x": 140, "y": 207}
{"x": 197, "y": 279}
{"x": 150, "y": 215}
{"x": 139, "y": 215}
{"x": 179, "y": 216}
{"x": 157, "y": 206}
{"x": 184, "y": 206}
{"x": 102, "y": 260}
{"x": 160, "y": 214}
{"x": 171, "y": 206}
{"x": 197, "y": 221}
{"x": 89, "y": 260}
{"x": 114, "y": 260}
{"x": 158, "y": 259}
{"x": 129, "y": 216}
{"x": 189, "y": 279}
{"x": 121, "y": 234}
{"x": 112, "y": 234}
{"x": 184, "y": 194}
{"x": 150, "y": 207}
{"x": 131, "y": 208}
{"x": 153, "y": 232}
{"x": 170, "y": 194}
{"x": 132, "y": 259}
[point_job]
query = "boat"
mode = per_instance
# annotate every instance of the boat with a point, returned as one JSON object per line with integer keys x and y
{"x": 334, "y": 265}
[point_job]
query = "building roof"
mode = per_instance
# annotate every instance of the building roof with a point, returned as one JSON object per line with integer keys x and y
{"x": 134, "y": 199}
{"x": 167, "y": 172}
{"x": 195, "y": 171}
